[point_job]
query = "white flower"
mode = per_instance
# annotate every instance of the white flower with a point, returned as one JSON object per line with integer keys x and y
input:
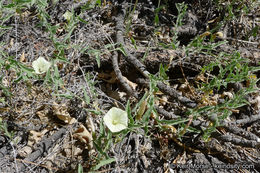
{"x": 116, "y": 119}
{"x": 68, "y": 15}
{"x": 41, "y": 65}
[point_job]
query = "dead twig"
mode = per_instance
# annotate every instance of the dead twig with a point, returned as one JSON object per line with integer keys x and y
{"x": 241, "y": 132}
{"x": 120, "y": 77}
{"x": 236, "y": 140}
{"x": 36, "y": 164}
{"x": 43, "y": 147}
{"x": 171, "y": 92}
{"x": 248, "y": 120}
{"x": 120, "y": 39}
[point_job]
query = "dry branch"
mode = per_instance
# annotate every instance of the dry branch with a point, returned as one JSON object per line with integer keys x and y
{"x": 43, "y": 147}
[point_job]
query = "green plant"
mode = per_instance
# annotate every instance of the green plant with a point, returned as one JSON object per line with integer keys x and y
{"x": 138, "y": 118}
{"x": 232, "y": 69}
{"x": 182, "y": 8}
{"x": 130, "y": 13}
{"x": 80, "y": 168}
{"x": 4, "y": 130}
{"x": 22, "y": 71}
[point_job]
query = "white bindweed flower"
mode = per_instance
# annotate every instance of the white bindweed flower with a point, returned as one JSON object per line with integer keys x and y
{"x": 68, "y": 15}
{"x": 116, "y": 119}
{"x": 41, "y": 65}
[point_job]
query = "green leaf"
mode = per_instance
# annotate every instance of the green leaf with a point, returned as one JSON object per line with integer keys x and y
{"x": 80, "y": 168}
{"x": 99, "y": 149}
{"x": 172, "y": 122}
{"x": 133, "y": 42}
{"x": 156, "y": 19}
{"x": 19, "y": 78}
{"x": 147, "y": 114}
{"x": 122, "y": 50}
{"x": 208, "y": 132}
{"x": 22, "y": 1}
{"x": 139, "y": 103}
{"x": 103, "y": 163}
{"x": 26, "y": 69}
{"x": 254, "y": 31}
{"x": 108, "y": 142}
{"x": 68, "y": 96}
{"x": 129, "y": 113}
{"x": 9, "y": 6}
{"x": 205, "y": 108}
{"x": 162, "y": 72}
{"x": 69, "y": 33}
{"x": 98, "y": 2}
{"x": 82, "y": 20}
{"x": 86, "y": 97}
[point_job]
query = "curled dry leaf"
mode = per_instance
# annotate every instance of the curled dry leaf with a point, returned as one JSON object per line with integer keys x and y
{"x": 207, "y": 33}
{"x": 184, "y": 88}
{"x": 42, "y": 115}
{"x": 25, "y": 151}
{"x": 62, "y": 113}
{"x": 90, "y": 124}
{"x": 219, "y": 35}
{"x": 22, "y": 57}
{"x": 256, "y": 103}
{"x": 170, "y": 129}
{"x": 112, "y": 78}
{"x": 116, "y": 95}
{"x": 77, "y": 151}
{"x": 163, "y": 100}
{"x": 35, "y": 137}
{"x": 141, "y": 110}
{"x": 228, "y": 94}
{"x": 108, "y": 77}
{"x": 201, "y": 77}
{"x": 122, "y": 94}
{"x": 131, "y": 84}
{"x": 84, "y": 136}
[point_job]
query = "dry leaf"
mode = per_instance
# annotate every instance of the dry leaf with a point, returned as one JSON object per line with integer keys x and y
{"x": 62, "y": 113}
{"x": 116, "y": 95}
{"x": 158, "y": 92}
{"x": 35, "y": 137}
{"x": 25, "y": 151}
{"x": 201, "y": 77}
{"x": 184, "y": 88}
{"x": 171, "y": 129}
{"x": 90, "y": 124}
{"x": 228, "y": 94}
{"x": 207, "y": 33}
{"x": 256, "y": 103}
{"x": 163, "y": 100}
{"x": 112, "y": 78}
{"x": 66, "y": 118}
{"x": 11, "y": 42}
{"x": 219, "y": 35}
{"x": 84, "y": 136}
{"x": 77, "y": 151}
{"x": 122, "y": 94}
{"x": 141, "y": 110}
{"x": 42, "y": 115}
{"x": 131, "y": 84}
{"x": 22, "y": 57}
{"x": 108, "y": 77}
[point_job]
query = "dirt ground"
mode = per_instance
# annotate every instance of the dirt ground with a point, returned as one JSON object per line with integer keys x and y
{"x": 103, "y": 56}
